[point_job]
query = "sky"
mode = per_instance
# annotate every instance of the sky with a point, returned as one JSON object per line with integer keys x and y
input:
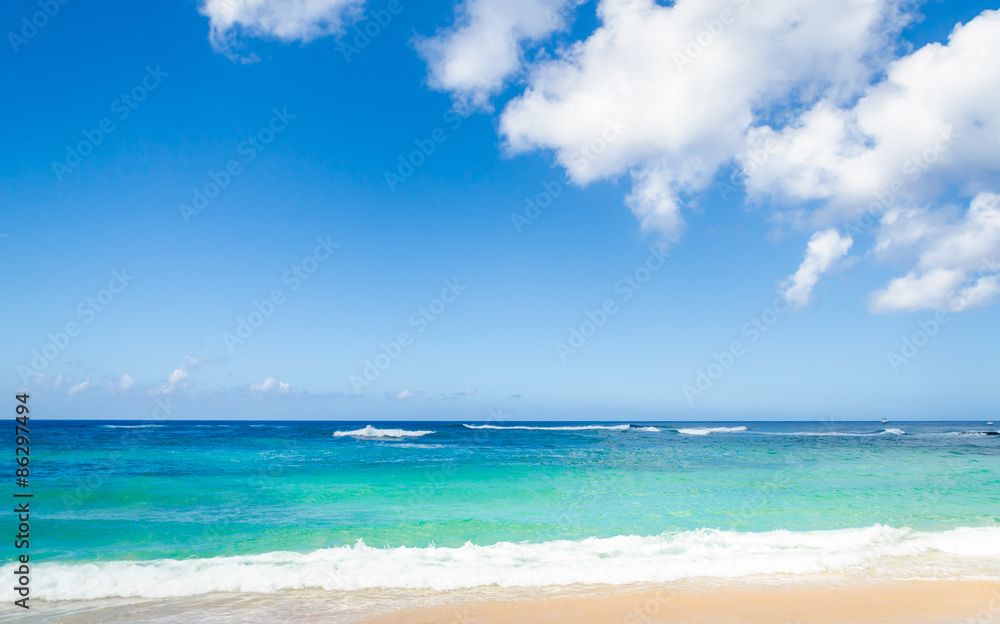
{"x": 614, "y": 210}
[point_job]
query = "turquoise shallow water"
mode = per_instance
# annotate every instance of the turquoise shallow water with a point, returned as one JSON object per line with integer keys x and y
{"x": 662, "y": 499}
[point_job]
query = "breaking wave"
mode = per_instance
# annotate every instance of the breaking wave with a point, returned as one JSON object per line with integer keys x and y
{"x": 702, "y": 553}
{"x": 371, "y": 432}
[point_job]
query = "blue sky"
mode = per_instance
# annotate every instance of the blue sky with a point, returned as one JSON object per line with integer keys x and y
{"x": 344, "y": 123}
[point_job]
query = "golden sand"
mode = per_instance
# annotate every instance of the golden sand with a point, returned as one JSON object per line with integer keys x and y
{"x": 911, "y": 602}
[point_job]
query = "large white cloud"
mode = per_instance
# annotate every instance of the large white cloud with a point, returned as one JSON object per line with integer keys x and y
{"x": 688, "y": 81}
{"x": 928, "y": 131}
{"x": 474, "y": 57}
{"x": 809, "y": 99}
{"x": 288, "y": 20}
{"x": 824, "y": 123}
{"x": 933, "y": 123}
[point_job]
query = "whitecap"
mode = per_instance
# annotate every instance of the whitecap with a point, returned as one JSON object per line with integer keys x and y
{"x": 708, "y": 430}
{"x": 371, "y": 432}
{"x": 847, "y": 434}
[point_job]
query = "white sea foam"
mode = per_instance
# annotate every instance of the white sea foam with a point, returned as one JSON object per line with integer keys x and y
{"x": 653, "y": 429}
{"x": 709, "y": 553}
{"x": 834, "y": 433}
{"x": 564, "y": 428}
{"x": 708, "y": 430}
{"x": 371, "y": 432}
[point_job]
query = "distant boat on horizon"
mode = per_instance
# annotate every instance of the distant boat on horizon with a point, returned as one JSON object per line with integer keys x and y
{"x": 885, "y": 421}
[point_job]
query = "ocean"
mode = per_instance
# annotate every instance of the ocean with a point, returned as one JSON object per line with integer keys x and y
{"x": 133, "y": 515}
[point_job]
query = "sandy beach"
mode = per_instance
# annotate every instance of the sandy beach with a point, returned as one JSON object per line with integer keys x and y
{"x": 762, "y": 600}
{"x": 910, "y": 602}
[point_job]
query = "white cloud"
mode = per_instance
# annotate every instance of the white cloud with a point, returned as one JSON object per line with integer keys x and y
{"x": 929, "y": 130}
{"x": 177, "y": 377}
{"x": 474, "y": 58}
{"x": 80, "y": 387}
{"x": 798, "y": 79}
{"x": 270, "y": 384}
{"x": 654, "y": 203}
{"x": 287, "y": 20}
{"x": 45, "y": 381}
{"x": 823, "y": 250}
{"x": 956, "y": 267}
{"x": 407, "y": 394}
{"x": 126, "y": 382}
{"x": 697, "y": 85}
{"x": 932, "y": 124}
{"x": 687, "y": 81}
{"x": 469, "y": 392}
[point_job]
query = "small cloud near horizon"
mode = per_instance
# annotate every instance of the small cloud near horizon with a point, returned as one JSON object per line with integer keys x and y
{"x": 407, "y": 394}
{"x": 80, "y": 387}
{"x": 177, "y": 377}
{"x": 270, "y": 384}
